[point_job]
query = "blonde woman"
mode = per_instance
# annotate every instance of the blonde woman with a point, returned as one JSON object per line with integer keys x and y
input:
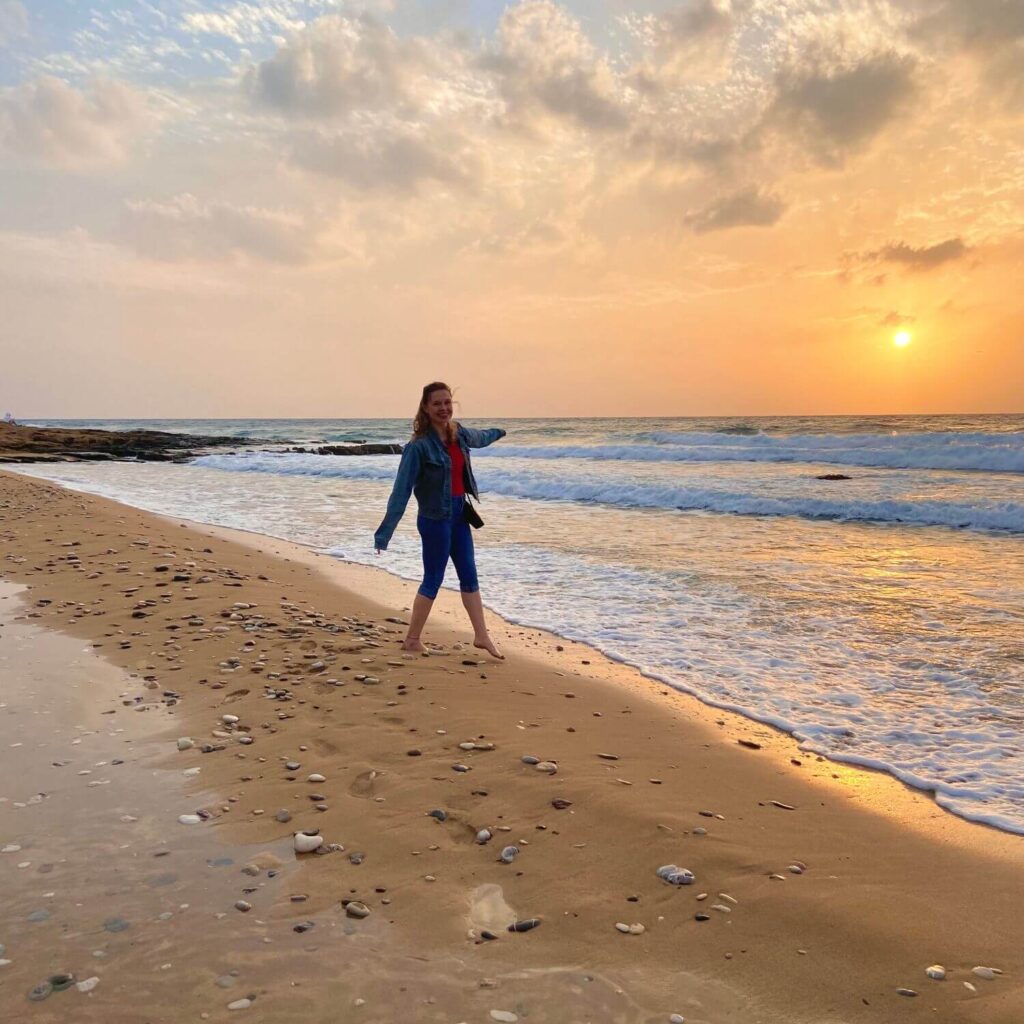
{"x": 436, "y": 467}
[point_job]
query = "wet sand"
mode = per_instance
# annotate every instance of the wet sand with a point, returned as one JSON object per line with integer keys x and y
{"x": 891, "y": 883}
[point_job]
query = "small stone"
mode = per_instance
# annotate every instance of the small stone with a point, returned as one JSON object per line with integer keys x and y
{"x": 283, "y": 816}
{"x": 548, "y": 767}
{"x": 189, "y": 819}
{"x": 702, "y": 917}
{"x": 41, "y": 992}
{"x": 185, "y": 742}
{"x": 561, "y": 805}
{"x": 61, "y": 982}
{"x": 438, "y": 814}
{"x": 460, "y": 768}
{"x": 622, "y": 927}
{"x": 357, "y": 909}
{"x": 636, "y": 929}
{"x": 87, "y": 984}
{"x": 229, "y": 719}
{"x": 529, "y": 759}
{"x": 509, "y": 854}
{"x": 609, "y": 757}
{"x": 504, "y": 1016}
{"x": 243, "y": 906}
{"x": 905, "y": 992}
{"x": 115, "y": 924}
{"x": 525, "y": 926}
{"x": 988, "y": 973}
{"x": 676, "y": 1018}
{"x": 316, "y": 777}
{"x": 484, "y": 836}
{"x": 936, "y": 972}
{"x": 240, "y": 1004}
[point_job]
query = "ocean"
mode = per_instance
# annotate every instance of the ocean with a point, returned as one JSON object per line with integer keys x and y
{"x": 878, "y": 618}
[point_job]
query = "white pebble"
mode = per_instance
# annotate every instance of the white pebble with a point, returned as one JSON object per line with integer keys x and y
{"x": 240, "y": 1004}
{"x": 316, "y": 777}
{"x": 936, "y": 971}
{"x": 229, "y": 719}
{"x": 677, "y": 1018}
{"x": 988, "y": 973}
{"x": 189, "y": 819}
{"x": 547, "y": 767}
{"x": 622, "y": 927}
{"x": 307, "y": 844}
{"x": 504, "y": 1016}
{"x": 185, "y": 742}
{"x": 87, "y": 984}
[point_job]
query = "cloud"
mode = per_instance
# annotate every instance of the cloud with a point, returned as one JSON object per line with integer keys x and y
{"x": 343, "y": 64}
{"x": 748, "y": 207}
{"x": 243, "y": 22}
{"x": 894, "y": 319}
{"x": 13, "y": 20}
{"x": 401, "y": 161}
{"x": 991, "y": 31}
{"x": 834, "y": 105}
{"x": 926, "y": 257}
{"x": 692, "y": 40}
{"x": 187, "y": 228}
{"x": 548, "y": 70}
{"x": 55, "y": 123}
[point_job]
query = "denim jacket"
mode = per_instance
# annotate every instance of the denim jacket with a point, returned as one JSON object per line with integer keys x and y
{"x": 426, "y": 468}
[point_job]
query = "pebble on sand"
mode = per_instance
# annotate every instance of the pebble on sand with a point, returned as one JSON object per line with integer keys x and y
{"x": 189, "y": 819}
{"x": 307, "y": 844}
{"x": 937, "y": 972}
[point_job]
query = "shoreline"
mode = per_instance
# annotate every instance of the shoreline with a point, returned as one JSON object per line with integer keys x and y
{"x": 864, "y": 913}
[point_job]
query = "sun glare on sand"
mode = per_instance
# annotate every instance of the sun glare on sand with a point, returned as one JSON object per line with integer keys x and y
{"x": 901, "y": 339}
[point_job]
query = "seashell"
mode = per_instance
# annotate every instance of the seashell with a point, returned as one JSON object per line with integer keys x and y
{"x": 936, "y": 971}
{"x": 306, "y": 843}
{"x": 509, "y": 854}
{"x": 357, "y": 909}
{"x": 484, "y": 836}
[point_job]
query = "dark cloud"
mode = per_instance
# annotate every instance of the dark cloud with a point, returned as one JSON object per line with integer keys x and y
{"x": 186, "y": 228}
{"x": 545, "y": 67}
{"x": 894, "y": 319}
{"x": 926, "y": 257}
{"x": 749, "y": 207}
{"x": 992, "y": 31}
{"x": 52, "y": 122}
{"x": 401, "y": 162}
{"x": 338, "y": 65}
{"x": 836, "y": 106}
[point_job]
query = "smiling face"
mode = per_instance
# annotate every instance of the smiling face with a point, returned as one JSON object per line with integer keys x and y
{"x": 438, "y": 407}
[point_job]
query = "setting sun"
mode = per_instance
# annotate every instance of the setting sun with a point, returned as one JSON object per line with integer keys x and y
{"x": 901, "y": 338}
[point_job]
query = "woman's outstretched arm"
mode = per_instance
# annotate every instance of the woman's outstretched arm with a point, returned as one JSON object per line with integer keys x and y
{"x": 481, "y": 438}
{"x": 408, "y": 470}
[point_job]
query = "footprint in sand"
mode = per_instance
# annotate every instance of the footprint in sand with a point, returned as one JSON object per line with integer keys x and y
{"x": 366, "y": 783}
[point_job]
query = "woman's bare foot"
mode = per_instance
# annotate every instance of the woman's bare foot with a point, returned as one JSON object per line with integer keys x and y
{"x": 413, "y": 643}
{"x": 487, "y": 644}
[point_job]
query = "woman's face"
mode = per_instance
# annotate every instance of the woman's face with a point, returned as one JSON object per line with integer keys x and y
{"x": 439, "y": 407}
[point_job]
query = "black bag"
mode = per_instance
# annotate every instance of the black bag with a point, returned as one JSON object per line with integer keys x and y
{"x": 470, "y": 515}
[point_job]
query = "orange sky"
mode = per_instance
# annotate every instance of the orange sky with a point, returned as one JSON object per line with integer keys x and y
{"x": 302, "y": 208}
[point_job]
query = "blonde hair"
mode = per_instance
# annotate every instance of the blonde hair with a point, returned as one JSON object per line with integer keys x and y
{"x": 421, "y": 425}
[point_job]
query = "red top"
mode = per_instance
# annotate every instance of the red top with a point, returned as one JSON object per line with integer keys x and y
{"x": 458, "y": 464}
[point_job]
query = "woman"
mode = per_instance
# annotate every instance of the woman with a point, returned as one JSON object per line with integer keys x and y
{"x": 435, "y": 464}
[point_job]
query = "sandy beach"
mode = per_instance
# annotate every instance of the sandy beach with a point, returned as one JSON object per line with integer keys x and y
{"x": 821, "y": 893}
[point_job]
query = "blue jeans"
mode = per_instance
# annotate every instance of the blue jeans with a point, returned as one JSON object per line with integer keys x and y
{"x": 444, "y": 539}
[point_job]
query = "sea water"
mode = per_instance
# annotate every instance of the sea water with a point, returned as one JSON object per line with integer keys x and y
{"x": 879, "y": 618}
